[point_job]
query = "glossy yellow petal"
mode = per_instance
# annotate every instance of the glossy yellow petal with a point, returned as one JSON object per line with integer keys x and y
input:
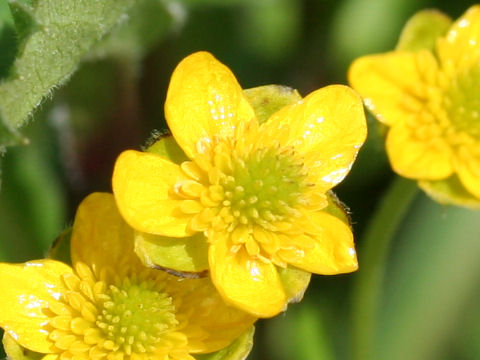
{"x": 51, "y": 357}
{"x": 204, "y": 100}
{"x": 460, "y": 49}
{"x": 418, "y": 158}
{"x": 333, "y": 251}
{"x": 26, "y": 290}
{"x": 393, "y": 85}
{"x": 245, "y": 282}
{"x": 219, "y": 323}
{"x": 468, "y": 169}
{"x": 99, "y": 230}
{"x": 327, "y": 128}
{"x": 142, "y": 184}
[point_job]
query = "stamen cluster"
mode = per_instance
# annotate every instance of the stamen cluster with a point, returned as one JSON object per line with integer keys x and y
{"x": 232, "y": 184}
{"x": 131, "y": 316}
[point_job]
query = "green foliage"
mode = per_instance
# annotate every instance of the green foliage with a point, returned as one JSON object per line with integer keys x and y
{"x": 8, "y": 40}
{"x": 54, "y": 36}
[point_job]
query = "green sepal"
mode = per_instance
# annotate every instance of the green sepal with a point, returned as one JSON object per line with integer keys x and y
{"x": 167, "y": 147}
{"x": 337, "y": 208}
{"x": 422, "y": 30}
{"x": 185, "y": 257}
{"x": 238, "y": 350}
{"x": 24, "y": 19}
{"x": 60, "y": 249}
{"x": 15, "y": 351}
{"x": 295, "y": 282}
{"x": 267, "y": 100}
{"x": 450, "y": 191}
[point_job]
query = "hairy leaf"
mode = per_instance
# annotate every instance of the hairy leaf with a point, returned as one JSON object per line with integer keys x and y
{"x": 54, "y": 36}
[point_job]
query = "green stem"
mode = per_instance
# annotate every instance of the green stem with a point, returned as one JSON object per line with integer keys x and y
{"x": 373, "y": 254}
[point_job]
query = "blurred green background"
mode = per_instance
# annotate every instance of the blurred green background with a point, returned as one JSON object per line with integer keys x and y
{"x": 414, "y": 298}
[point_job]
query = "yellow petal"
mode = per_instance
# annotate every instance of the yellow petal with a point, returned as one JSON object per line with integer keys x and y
{"x": 333, "y": 251}
{"x": 418, "y": 158}
{"x": 98, "y": 230}
{"x": 26, "y": 290}
{"x": 460, "y": 46}
{"x": 245, "y": 282}
{"x": 204, "y": 100}
{"x": 142, "y": 183}
{"x": 393, "y": 84}
{"x": 50, "y": 357}
{"x": 327, "y": 128}
{"x": 219, "y": 323}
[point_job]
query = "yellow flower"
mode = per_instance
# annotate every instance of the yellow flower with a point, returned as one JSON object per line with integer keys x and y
{"x": 256, "y": 192}
{"x": 427, "y": 93}
{"x": 109, "y": 306}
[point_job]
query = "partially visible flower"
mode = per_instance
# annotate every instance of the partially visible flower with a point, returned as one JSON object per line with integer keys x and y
{"x": 427, "y": 93}
{"x": 256, "y": 192}
{"x": 109, "y": 306}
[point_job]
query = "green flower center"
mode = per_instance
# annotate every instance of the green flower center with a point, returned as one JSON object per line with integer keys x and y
{"x": 135, "y": 315}
{"x": 242, "y": 183}
{"x": 264, "y": 186}
{"x": 462, "y": 102}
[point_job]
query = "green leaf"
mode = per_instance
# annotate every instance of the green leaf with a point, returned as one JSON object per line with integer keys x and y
{"x": 423, "y": 29}
{"x": 238, "y": 350}
{"x": 8, "y": 135}
{"x": 67, "y": 30}
{"x": 25, "y": 22}
{"x": 186, "y": 257}
{"x": 267, "y": 100}
{"x": 8, "y": 40}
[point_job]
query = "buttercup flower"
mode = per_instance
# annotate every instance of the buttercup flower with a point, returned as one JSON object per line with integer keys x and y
{"x": 251, "y": 195}
{"x": 426, "y": 93}
{"x": 109, "y": 306}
